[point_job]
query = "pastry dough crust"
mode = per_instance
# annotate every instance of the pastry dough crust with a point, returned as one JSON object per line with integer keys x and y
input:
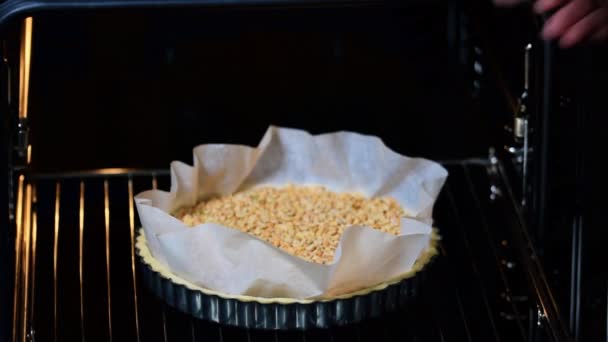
{"x": 144, "y": 252}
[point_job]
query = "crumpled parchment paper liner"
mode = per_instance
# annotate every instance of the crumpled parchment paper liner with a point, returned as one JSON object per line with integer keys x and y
{"x": 224, "y": 259}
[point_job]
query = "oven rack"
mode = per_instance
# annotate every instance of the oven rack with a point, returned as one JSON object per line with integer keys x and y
{"x": 77, "y": 276}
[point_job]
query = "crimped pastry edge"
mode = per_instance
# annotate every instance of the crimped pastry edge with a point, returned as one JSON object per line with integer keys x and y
{"x": 146, "y": 257}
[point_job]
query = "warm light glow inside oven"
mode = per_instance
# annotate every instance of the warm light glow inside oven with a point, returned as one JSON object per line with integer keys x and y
{"x": 24, "y": 66}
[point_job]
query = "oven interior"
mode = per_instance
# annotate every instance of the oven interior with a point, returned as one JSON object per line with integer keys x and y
{"x": 97, "y": 103}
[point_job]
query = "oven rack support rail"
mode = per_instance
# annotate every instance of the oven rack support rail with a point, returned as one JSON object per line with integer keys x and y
{"x": 21, "y": 8}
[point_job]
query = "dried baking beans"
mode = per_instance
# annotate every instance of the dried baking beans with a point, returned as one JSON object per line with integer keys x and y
{"x": 306, "y": 221}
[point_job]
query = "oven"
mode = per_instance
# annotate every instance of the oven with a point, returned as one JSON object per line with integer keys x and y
{"x": 98, "y": 97}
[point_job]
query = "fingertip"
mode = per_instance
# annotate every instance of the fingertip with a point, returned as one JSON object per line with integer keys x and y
{"x": 508, "y": 3}
{"x": 575, "y": 34}
{"x": 539, "y": 7}
{"x": 567, "y": 41}
{"x": 550, "y": 31}
{"x": 592, "y": 27}
{"x": 542, "y": 6}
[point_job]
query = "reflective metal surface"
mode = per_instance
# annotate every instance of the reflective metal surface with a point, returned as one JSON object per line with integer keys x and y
{"x": 275, "y": 316}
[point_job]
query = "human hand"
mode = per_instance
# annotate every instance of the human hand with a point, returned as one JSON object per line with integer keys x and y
{"x": 574, "y": 21}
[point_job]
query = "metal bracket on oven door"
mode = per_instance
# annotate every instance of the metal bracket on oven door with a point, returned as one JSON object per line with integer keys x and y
{"x": 21, "y": 122}
{"x": 520, "y": 149}
{"x": 23, "y": 131}
{"x": 31, "y": 335}
{"x": 493, "y": 172}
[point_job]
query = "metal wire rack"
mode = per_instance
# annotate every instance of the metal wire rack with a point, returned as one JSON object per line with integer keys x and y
{"x": 78, "y": 278}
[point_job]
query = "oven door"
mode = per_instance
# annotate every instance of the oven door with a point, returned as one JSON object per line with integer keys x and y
{"x": 104, "y": 95}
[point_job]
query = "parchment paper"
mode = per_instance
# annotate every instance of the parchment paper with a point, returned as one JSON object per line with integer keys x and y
{"x": 227, "y": 260}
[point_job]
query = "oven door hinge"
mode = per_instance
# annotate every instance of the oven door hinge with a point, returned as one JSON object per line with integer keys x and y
{"x": 520, "y": 131}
